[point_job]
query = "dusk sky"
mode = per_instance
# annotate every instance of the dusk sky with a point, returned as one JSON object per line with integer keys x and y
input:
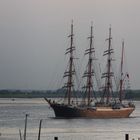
{"x": 33, "y": 38}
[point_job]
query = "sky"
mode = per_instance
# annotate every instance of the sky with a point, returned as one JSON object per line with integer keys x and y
{"x": 33, "y": 38}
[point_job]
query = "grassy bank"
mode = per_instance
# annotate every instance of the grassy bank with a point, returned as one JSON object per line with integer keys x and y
{"x": 133, "y": 94}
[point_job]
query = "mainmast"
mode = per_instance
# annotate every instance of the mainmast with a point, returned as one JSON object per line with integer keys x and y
{"x": 121, "y": 79}
{"x": 89, "y": 73}
{"x": 108, "y": 74}
{"x": 70, "y": 71}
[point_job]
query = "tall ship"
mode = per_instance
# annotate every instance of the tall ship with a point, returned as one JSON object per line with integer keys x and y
{"x": 109, "y": 103}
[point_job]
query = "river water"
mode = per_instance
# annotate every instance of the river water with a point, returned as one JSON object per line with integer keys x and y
{"x": 12, "y": 116}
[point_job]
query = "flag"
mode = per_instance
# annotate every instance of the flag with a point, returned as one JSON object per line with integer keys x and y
{"x": 127, "y": 75}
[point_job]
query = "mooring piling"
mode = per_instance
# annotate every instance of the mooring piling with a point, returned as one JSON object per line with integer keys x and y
{"x": 126, "y": 136}
{"x": 25, "y": 129}
{"x": 39, "y": 129}
{"x": 55, "y": 138}
{"x": 20, "y": 134}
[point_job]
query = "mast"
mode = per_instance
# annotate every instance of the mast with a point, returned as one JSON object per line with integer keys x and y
{"x": 70, "y": 71}
{"x": 109, "y": 73}
{"x": 121, "y": 80}
{"x": 89, "y": 72}
{"x": 109, "y": 66}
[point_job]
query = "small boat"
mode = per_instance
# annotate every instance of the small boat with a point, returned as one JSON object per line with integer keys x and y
{"x": 110, "y": 104}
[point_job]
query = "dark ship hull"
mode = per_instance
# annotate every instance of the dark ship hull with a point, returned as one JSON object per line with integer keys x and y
{"x": 65, "y": 111}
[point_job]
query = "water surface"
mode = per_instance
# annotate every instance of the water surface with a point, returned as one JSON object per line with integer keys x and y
{"x": 12, "y": 115}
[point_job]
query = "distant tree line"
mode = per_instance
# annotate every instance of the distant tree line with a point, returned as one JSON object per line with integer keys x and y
{"x": 131, "y": 94}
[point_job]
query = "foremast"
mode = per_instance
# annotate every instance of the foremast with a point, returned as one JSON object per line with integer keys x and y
{"x": 108, "y": 74}
{"x": 70, "y": 72}
{"x": 89, "y": 73}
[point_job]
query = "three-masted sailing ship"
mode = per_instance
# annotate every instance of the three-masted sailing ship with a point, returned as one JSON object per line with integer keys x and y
{"x": 89, "y": 107}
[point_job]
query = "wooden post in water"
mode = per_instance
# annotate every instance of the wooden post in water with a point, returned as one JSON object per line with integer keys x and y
{"x": 126, "y": 136}
{"x": 39, "y": 129}
{"x": 20, "y": 134}
{"x": 25, "y": 126}
{"x": 55, "y": 138}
